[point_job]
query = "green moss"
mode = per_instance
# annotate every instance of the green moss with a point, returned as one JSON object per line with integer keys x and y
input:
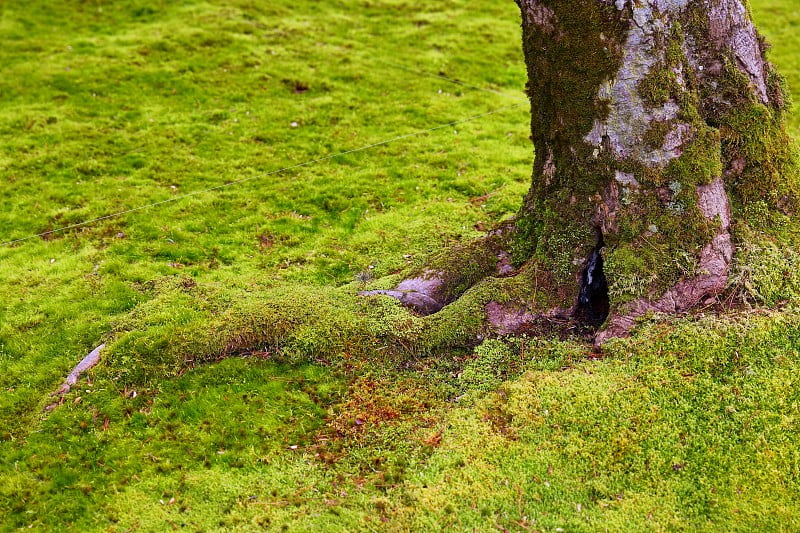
{"x": 668, "y": 431}
{"x": 694, "y": 20}
{"x": 656, "y": 242}
{"x": 766, "y": 268}
{"x": 778, "y": 89}
{"x": 658, "y": 435}
{"x": 755, "y": 136}
{"x": 701, "y": 160}
{"x": 630, "y": 273}
{"x": 656, "y": 133}
{"x": 462, "y": 265}
{"x": 493, "y": 361}
{"x": 658, "y": 86}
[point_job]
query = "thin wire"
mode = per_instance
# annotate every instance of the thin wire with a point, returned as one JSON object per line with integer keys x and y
{"x": 263, "y": 175}
{"x": 445, "y": 78}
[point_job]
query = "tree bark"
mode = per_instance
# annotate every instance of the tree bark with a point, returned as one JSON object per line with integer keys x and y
{"x": 656, "y": 124}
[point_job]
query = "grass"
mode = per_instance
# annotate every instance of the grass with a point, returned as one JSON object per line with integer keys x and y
{"x": 110, "y": 106}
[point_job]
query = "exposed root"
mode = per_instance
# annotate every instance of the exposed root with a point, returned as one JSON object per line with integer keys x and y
{"x": 454, "y": 272}
{"x": 513, "y": 319}
{"x": 423, "y": 294}
{"x": 86, "y": 363}
{"x": 464, "y": 295}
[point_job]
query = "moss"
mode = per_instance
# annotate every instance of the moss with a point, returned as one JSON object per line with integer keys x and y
{"x": 465, "y": 264}
{"x": 766, "y": 267}
{"x": 658, "y": 236}
{"x": 526, "y": 240}
{"x": 630, "y": 273}
{"x": 656, "y": 133}
{"x": 701, "y": 160}
{"x": 755, "y": 137}
{"x": 582, "y": 448}
{"x": 493, "y": 362}
{"x": 694, "y": 21}
{"x": 767, "y": 272}
{"x": 658, "y": 86}
{"x": 300, "y": 323}
{"x": 674, "y": 56}
{"x": 778, "y": 90}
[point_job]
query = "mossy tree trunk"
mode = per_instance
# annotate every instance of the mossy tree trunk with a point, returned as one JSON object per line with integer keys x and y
{"x": 653, "y": 121}
{"x": 656, "y": 123}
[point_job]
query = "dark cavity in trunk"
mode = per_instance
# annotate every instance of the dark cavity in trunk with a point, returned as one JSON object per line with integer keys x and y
{"x": 593, "y": 305}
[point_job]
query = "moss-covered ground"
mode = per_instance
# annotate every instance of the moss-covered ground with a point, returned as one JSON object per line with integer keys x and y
{"x": 691, "y": 424}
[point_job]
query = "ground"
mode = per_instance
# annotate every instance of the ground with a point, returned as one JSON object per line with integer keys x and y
{"x": 691, "y": 423}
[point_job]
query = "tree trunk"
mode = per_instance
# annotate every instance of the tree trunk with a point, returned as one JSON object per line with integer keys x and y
{"x": 657, "y": 126}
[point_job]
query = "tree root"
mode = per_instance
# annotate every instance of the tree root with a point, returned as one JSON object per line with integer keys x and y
{"x": 86, "y": 363}
{"x": 461, "y": 297}
{"x": 449, "y": 276}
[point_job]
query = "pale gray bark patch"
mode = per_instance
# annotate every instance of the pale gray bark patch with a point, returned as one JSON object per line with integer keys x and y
{"x": 713, "y": 202}
{"x": 729, "y": 24}
{"x": 629, "y": 118}
{"x": 663, "y": 5}
{"x": 626, "y": 179}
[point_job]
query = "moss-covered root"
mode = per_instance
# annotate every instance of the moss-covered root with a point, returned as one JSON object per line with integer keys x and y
{"x": 185, "y": 325}
{"x": 447, "y": 276}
